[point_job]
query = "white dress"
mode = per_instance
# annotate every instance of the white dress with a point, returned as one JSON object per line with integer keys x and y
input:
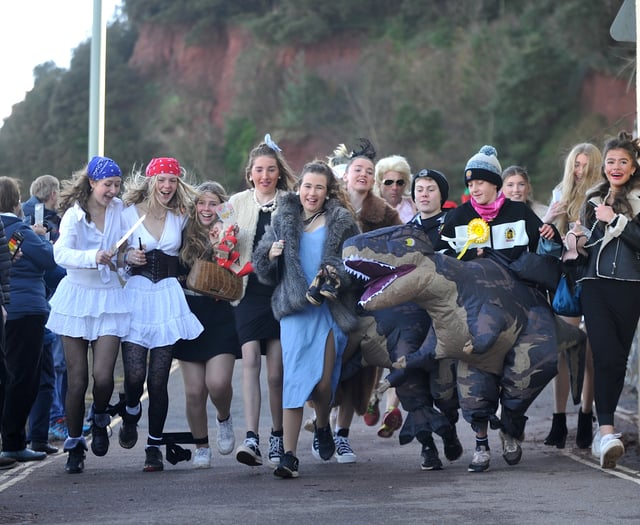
{"x": 160, "y": 314}
{"x": 89, "y": 301}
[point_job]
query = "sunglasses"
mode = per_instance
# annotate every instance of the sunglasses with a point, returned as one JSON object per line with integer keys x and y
{"x": 389, "y": 182}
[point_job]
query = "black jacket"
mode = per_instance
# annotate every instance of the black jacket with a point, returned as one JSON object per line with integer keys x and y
{"x": 614, "y": 249}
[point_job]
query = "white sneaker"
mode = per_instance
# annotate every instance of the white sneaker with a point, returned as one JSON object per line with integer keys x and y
{"x": 611, "y": 450}
{"x": 344, "y": 452}
{"x": 226, "y": 438}
{"x": 595, "y": 444}
{"x": 202, "y": 458}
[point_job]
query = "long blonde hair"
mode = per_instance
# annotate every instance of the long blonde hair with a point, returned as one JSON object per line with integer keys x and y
{"x": 574, "y": 191}
{"x": 195, "y": 237}
{"x": 140, "y": 188}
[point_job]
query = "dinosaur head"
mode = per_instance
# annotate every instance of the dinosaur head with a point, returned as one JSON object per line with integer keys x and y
{"x": 381, "y": 257}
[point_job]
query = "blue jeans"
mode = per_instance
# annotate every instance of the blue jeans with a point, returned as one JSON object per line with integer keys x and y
{"x": 60, "y": 380}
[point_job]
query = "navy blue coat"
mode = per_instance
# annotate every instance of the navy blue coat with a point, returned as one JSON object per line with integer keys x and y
{"x": 27, "y": 289}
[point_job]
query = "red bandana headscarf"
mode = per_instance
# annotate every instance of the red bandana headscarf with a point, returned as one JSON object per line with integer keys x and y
{"x": 166, "y": 165}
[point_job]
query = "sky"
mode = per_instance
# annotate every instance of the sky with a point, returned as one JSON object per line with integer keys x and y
{"x": 36, "y": 31}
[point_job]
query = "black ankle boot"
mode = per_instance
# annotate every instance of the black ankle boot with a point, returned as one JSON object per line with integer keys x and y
{"x": 584, "y": 434}
{"x": 558, "y": 433}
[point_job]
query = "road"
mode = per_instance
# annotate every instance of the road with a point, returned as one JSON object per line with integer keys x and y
{"x": 385, "y": 486}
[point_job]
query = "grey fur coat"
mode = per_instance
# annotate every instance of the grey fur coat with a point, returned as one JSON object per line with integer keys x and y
{"x": 286, "y": 271}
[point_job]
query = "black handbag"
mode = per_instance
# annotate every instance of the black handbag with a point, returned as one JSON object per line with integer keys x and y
{"x": 533, "y": 269}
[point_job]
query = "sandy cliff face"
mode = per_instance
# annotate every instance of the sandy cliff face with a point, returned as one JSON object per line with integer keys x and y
{"x": 163, "y": 52}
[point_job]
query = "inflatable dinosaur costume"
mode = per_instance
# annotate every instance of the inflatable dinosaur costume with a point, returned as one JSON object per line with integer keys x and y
{"x": 502, "y": 333}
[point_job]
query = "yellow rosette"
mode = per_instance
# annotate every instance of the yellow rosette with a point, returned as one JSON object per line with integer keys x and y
{"x": 477, "y": 232}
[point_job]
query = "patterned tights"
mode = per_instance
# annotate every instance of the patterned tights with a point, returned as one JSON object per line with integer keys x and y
{"x": 134, "y": 359}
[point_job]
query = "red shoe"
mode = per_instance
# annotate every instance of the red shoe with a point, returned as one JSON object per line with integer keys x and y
{"x": 391, "y": 422}
{"x": 372, "y": 415}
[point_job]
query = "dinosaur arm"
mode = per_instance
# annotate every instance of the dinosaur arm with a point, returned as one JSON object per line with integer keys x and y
{"x": 425, "y": 356}
{"x": 486, "y": 327}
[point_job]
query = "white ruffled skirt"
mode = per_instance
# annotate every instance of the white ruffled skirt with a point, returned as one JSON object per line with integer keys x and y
{"x": 84, "y": 306}
{"x": 160, "y": 314}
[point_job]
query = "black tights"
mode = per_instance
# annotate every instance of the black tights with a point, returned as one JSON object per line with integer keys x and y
{"x": 134, "y": 359}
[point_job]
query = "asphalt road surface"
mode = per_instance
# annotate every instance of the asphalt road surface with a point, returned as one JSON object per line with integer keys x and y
{"x": 384, "y": 486}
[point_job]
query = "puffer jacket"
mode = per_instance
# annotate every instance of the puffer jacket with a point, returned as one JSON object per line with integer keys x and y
{"x": 5, "y": 267}
{"x": 28, "y": 291}
{"x": 285, "y": 272}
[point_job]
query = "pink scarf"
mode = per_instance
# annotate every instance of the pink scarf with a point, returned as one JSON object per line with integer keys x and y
{"x": 489, "y": 211}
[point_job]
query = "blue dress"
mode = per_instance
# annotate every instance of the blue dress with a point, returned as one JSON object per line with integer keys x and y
{"x": 304, "y": 334}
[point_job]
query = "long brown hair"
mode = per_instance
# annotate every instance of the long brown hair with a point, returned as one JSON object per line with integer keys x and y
{"x": 624, "y": 141}
{"x": 286, "y": 178}
{"x": 195, "y": 237}
{"x": 334, "y": 187}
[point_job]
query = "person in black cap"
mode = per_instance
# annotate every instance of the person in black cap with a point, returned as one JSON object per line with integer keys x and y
{"x": 430, "y": 190}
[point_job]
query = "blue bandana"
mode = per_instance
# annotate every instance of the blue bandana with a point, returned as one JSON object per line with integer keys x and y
{"x": 102, "y": 168}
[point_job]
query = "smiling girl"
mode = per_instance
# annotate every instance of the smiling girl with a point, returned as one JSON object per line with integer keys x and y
{"x": 207, "y": 362}
{"x": 267, "y": 175}
{"x": 315, "y": 222}
{"x": 89, "y": 229}
{"x": 611, "y": 284}
{"x": 160, "y": 314}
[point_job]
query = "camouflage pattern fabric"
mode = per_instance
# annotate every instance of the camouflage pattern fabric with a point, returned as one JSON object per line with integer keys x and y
{"x": 502, "y": 333}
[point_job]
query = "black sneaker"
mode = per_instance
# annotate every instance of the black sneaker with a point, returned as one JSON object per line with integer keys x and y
{"x": 75, "y": 460}
{"x": 99, "y": 440}
{"x": 288, "y": 467}
{"x": 452, "y": 446}
{"x": 128, "y": 435}
{"x": 323, "y": 445}
{"x": 153, "y": 461}
{"x": 430, "y": 459}
{"x": 249, "y": 452}
{"x": 276, "y": 449}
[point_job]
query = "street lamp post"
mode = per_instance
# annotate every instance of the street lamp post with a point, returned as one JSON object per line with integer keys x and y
{"x": 97, "y": 81}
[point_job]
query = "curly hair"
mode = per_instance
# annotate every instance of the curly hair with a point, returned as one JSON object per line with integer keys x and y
{"x": 335, "y": 189}
{"x": 140, "y": 188}
{"x": 195, "y": 237}
{"x": 76, "y": 189}
{"x": 286, "y": 178}
{"x": 393, "y": 163}
{"x": 623, "y": 141}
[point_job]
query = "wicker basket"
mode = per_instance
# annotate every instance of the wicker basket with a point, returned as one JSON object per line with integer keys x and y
{"x": 211, "y": 279}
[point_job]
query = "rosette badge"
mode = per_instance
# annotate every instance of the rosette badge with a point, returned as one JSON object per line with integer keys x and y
{"x": 477, "y": 233}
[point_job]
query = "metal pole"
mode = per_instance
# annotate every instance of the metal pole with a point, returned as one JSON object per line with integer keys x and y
{"x": 638, "y": 135}
{"x": 97, "y": 81}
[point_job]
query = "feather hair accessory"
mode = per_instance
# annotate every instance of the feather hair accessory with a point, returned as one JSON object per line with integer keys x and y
{"x": 366, "y": 150}
{"x": 270, "y": 142}
{"x": 340, "y": 156}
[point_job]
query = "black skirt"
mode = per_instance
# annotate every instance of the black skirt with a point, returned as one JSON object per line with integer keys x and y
{"x": 219, "y": 334}
{"x": 254, "y": 316}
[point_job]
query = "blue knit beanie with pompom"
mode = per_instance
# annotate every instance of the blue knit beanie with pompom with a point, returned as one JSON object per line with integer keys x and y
{"x": 484, "y": 165}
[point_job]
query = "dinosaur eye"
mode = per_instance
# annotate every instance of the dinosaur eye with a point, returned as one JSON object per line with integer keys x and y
{"x": 410, "y": 242}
